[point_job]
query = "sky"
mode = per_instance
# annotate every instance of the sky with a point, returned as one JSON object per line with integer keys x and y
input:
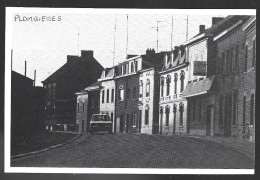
{"x": 45, "y": 45}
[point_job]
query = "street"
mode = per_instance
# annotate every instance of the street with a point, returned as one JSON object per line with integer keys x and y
{"x": 139, "y": 151}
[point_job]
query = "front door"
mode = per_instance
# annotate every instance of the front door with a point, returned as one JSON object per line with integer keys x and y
{"x": 210, "y": 121}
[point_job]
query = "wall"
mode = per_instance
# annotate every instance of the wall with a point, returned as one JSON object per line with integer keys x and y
{"x": 82, "y": 113}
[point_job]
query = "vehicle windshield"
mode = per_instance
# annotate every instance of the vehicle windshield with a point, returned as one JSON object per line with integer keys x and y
{"x": 100, "y": 118}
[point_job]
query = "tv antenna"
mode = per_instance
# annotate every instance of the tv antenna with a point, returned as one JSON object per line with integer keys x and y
{"x": 157, "y": 30}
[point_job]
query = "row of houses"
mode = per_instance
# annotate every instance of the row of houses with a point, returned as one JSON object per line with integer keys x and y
{"x": 205, "y": 86}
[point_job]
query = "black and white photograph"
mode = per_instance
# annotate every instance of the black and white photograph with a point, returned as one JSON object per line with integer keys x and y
{"x": 155, "y": 91}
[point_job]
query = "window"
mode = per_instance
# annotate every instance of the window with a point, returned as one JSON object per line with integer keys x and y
{"x": 127, "y": 68}
{"x": 182, "y": 80}
{"x": 107, "y": 95}
{"x": 254, "y": 53}
{"x": 103, "y": 96}
{"x": 112, "y": 95}
{"x": 221, "y": 105}
{"x": 181, "y": 109}
{"x": 236, "y": 58}
{"x": 175, "y": 83}
{"x": 246, "y": 54}
{"x": 140, "y": 116}
{"x": 83, "y": 107}
{"x": 168, "y": 83}
{"x": 134, "y": 120}
{"x": 112, "y": 117}
{"x": 234, "y": 122}
{"x": 136, "y": 66}
{"x": 167, "y": 112}
{"x": 132, "y": 67}
{"x": 231, "y": 60}
{"x": 53, "y": 89}
{"x": 134, "y": 93}
{"x": 194, "y": 111}
{"x": 228, "y": 62}
{"x": 146, "y": 115}
{"x": 162, "y": 85}
{"x": 174, "y": 116}
{"x": 78, "y": 106}
{"x": 121, "y": 95}
{"x": 128, "y": 92}
{"x": 244, "y": 110}
{"x": 224, "y": 63}
{"x": 221, "y": 65}
{"x": 147, "y": 88}
{"x": 252, "y": 109}
{"x": 141, "y": 89}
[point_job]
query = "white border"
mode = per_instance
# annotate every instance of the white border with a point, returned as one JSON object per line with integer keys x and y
{"x": 11, "y": 10}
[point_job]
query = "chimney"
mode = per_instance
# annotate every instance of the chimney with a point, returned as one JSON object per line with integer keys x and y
{"x": 215, "y": 20}
{"x": 202, "y": 28}
{"x": 150, "y": 51}
{"x": 87, "y": 54}
{"x": 71, "y": 58}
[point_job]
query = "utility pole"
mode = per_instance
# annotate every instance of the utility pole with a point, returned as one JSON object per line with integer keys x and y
{"x": 114, "y": 44}
{"x": 187, "y": 28}
{"x": 126, "y": 34}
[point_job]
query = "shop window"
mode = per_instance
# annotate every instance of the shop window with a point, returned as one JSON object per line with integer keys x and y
{"x": 168, "y": 84}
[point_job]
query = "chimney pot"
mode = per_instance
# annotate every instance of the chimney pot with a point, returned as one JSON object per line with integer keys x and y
{"x": 87, "y": 54}
{"x": 202, "y": 28}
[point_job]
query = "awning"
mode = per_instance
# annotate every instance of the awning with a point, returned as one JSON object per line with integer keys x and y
{"x": 198, "y": 88}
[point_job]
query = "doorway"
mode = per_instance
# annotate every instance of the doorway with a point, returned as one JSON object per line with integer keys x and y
{"x": 210, "y": 121}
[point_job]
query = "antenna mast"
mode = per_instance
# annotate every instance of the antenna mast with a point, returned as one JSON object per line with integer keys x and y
{"x": 114, "y": 44}
{"x": 187, "y": 28}
{"x": 171, "y": 33}
{"x": 126, "y": 34}
{"x": 78, "y": 42}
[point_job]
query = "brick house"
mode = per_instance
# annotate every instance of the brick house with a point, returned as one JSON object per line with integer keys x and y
{"x": 60, "y": 87}
{"x": 126, "y": 95}
{"x": 212, "y": 98}
{"x": 87, "y": 105}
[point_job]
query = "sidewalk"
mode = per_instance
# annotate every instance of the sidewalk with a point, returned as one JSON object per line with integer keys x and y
{"x": 245, "y": 147}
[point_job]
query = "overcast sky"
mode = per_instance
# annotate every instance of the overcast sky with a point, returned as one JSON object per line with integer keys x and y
{"x": 45, "y": 45}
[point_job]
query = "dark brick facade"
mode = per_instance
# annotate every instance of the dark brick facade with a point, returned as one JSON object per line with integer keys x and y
{"x": 75, "y": 75}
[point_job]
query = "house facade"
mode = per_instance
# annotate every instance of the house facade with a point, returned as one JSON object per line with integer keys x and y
{"x": 213, "y": 88}
{"x": 87, "y": 105}
{"x": 60, "y": 88}
{"x": 126, "y": 95}
{"x": 107, "y": 94}
{"x": 173, "y": 79}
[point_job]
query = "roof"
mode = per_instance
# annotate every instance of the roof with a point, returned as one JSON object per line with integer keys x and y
{"x": 79, "y": 63}
{"x": 94, "y": 86}
{"x": 219, "y": 27}
{"x": 16, "y": 74}
{"x": 198, "y": 88}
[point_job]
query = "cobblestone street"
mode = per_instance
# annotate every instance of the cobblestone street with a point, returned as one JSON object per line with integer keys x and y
{"x": 143, "y": 151}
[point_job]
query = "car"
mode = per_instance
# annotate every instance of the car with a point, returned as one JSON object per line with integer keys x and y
{"x": 100, "y": 123}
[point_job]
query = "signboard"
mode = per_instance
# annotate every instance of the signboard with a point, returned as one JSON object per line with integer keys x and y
{"x": 200, "y": 68}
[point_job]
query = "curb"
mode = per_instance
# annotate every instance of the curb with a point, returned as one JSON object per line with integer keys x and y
{"x": 45, "y": 149}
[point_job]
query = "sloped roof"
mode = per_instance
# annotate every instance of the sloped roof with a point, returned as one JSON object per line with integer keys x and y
{"x": 200, "y": 87}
